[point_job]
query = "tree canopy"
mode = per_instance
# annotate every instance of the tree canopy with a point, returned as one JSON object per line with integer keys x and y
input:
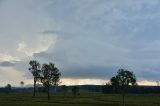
{"x": 50, "y": 75}
{"x": 123, "y": 78}
{"x": 35, "y": 70}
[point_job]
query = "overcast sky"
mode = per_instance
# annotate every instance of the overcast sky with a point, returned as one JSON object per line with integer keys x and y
{"x": 88, "y": 40}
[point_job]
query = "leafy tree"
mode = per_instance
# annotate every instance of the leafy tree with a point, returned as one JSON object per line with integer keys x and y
{"x": 49, "y": 76}
{"x": 75, "y": 91}
{"x": 64, "y": 89}
{"x": 115, "y": 83}
{"x": 21, "y": 83}
{"x": 35, "y": 70}
{"x": 123, "y": 79}
{"x": 56, "y": 75}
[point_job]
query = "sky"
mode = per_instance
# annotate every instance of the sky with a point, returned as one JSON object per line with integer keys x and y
{"x": 88, "y": 40}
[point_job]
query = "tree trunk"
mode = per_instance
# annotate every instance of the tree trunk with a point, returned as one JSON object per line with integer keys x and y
{"x": 34, "y": 92}
{"x": 48, "y": 91}
{"x": 123, "y": 95}
{"x": 123, "y": 98}
{"x": 55, "y": 88}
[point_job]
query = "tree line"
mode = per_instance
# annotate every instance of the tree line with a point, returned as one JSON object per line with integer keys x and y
{"x": 47, "y": 74}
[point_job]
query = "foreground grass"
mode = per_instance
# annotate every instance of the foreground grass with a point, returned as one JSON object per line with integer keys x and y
{"x": 84, "y": 99}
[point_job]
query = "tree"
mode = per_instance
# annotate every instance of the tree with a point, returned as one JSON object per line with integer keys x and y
{"x": 8, "y": 88}
{"x": 21, "y": 83}
{"x": 75, "y": 91}
{"x": 56, "y": 75}
{"x": 115, "y": 83}
{"x": 35, "y": 70}
{"x": 123, "y": 79}
{"x": 64, "y": 89}
{"x": 49, "y": 76}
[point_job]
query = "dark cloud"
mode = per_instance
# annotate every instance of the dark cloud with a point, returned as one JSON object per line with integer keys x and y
{"x": 70, "y": 69}
{"x": 97, "y": 72}
{"x": 7, "y": 64}
{"x": 93, "y": 38}
{"x": 49, "y": 32}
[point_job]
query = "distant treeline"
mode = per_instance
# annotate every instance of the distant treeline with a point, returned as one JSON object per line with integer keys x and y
{"x": 132, "y": 89}
{"x": 107, "y": 89}
{"x": 82, "y": 88}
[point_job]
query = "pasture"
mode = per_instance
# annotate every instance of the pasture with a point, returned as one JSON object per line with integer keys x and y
{"x": 84, "y": 99}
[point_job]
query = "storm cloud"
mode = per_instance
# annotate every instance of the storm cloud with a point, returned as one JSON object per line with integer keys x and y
{"x": 85, "y": 38}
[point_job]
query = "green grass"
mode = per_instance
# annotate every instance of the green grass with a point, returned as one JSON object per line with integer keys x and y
{"x": 84, "y": 99}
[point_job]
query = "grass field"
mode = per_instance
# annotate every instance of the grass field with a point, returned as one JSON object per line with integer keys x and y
{"x": 85, "y": 99}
